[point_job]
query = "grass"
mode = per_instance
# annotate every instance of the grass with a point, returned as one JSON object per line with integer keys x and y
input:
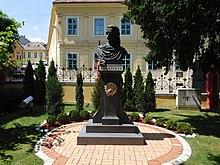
{"x": 18, "y": 134}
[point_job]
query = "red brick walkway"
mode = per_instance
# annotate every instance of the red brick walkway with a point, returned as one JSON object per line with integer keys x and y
{"x": 163, "y": 147}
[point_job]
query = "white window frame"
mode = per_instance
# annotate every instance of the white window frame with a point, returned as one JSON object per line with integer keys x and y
{"x": 77, "y": 26}
{"x": 29, "y": 54}
{"x": 121, "y": 28}
{"x": 77, "y": 60}
{"x": 152, "y": 68}
{"x": 94, "y": 26}
{"x": 125, "y": 59}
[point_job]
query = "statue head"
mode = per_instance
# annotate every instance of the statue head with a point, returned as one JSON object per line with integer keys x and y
{"x": 113, "y": 35}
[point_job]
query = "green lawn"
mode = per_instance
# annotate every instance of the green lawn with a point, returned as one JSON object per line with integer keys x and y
{"x": 18, "y": 134}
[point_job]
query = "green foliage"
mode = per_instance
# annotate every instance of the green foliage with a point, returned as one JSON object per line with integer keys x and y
{"x": 135, "y": 116}
{"x": 127, "y": 101}
{"x": 85, "y": 115}
{"x": 171, "y": 124}
{"x": 148, "y": 119}
{"x": 184, "y": 128}
{"x": 149, "y": 95}
{"x": 54, "y": 96}
{"x": 181, "y": 28}
{"x": 63, "y": 118}
{"x": 51, "y": 120}
{"x": 160, "y": 122}
{"x": 96, "y": 95}
{"x": 28, "y": 83}
{"x": 40, "y": 84}
{"x": 52, "y": 70}
{"x": 74, "y": 115}
{"x": 138, "y": 91}
{"x": 79, "y": 92}
{"x": 8, "y": 37}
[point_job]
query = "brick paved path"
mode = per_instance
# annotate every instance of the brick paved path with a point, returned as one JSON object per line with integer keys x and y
{"x": 163, "y": 147}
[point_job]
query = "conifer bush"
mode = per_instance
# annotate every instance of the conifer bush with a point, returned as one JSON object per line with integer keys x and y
{"x": 96, "y": 95}
{"x": 40, "y": 84}
{"x": 74, "y": 115}
{"x": 135, "y": 116}
{"x": 79, "y": 92}
{"x": 28, "y": 83}
{"x": 63, "y": 118}
{"x": 85, "y": 115}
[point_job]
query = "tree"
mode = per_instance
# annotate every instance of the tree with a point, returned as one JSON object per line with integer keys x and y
{"x": 96, "y": 95}
{"x": 54, "y": 92}
{"x": 28, "y": 83}
{"x": 40, "y": 85}
{"x": 179, "y": 30}
{"x": 52, "y": 70}
{"x": 138, "y": 90}
{"x": 149, "y": 95}
{"x": 127, "y": 99}
{"x": 79, "y": 92}
{"x": 8, "y": 37}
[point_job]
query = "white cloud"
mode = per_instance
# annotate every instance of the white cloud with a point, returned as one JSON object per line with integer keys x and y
{"x": 35, "y": 27}
{"x": 37, "y": 39}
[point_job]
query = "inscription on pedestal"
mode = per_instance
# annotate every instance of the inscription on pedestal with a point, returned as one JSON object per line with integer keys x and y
{"x": 111, "y": 67}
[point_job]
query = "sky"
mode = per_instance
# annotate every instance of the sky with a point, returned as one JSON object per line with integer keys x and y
{"x": 34, "y": 13}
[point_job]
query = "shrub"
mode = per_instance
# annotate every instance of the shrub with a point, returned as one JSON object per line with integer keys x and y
{"x": 93, "y": 112}
{"x": 185, "y": 128}
{"x": 135, "y": 116}
{"x": 171, "y": 124}
{"x": 74, "y": 115}
{"x": 85, "y": 115}
{"x": 160, "y": 122}
{"x": 148, "y": 119}
{"x": 51, "y": 120}
{"x": 62, "y": 118}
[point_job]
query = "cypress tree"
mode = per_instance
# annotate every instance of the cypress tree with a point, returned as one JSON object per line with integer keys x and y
{"x": 28, "y": 83}
{"x": 149, "y": 95}
{"x": 127, "y": 99}
{"x": 54, "y": 92}
{"x": 79, "y": 93}
{"x": 52, "y": 70}
{"x": 96, "y": 95}
{"x": 138, "y": 90}
{"x": 40, "y": 85}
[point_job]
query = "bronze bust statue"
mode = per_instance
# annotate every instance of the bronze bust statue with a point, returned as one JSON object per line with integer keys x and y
{"x": 111, "y": 52}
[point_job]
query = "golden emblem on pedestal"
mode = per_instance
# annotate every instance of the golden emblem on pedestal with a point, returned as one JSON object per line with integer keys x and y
{"x": 110, "y": 89}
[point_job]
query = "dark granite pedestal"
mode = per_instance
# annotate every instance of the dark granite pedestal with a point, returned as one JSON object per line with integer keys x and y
{"x": 110, "y": 125}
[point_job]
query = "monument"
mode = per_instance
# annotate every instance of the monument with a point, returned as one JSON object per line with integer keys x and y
{"x": 110, "y": 125}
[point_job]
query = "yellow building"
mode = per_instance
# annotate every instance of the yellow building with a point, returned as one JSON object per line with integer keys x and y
{"x": 77, "y": 27}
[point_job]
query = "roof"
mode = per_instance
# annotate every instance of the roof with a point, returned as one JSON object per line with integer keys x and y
{"x": 88, "y": 1}
{"x": 35, "y": 46}
{"x": 23, "y": 41}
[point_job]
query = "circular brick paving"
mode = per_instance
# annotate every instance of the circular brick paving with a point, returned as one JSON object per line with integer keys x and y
{"x": 162, "y": 147}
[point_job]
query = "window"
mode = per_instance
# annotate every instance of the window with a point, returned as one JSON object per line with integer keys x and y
{"x": 99, "y": 26}
{"x": 29, "y": 54}
{"x": 126, "y": 61}
{"x": 176, "y": 67}
{"x": 152, "y": 65}
{"x": 125, "y": 27}
{"x": 71, "y": 60}
{"x": 23, "y": 55}
{"x": 35, "y": 54}
{"x": 41, "y": 55}
{"x": 72, "y": 26}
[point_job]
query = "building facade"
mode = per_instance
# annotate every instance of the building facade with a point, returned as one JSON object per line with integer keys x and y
{"x": 77, "y": 27}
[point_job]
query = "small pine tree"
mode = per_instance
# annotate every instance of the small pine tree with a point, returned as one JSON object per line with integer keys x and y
{"x": 54, "y": 96}
{"x": 54, "y": 92}
{"x": 138, "y": 90}
{"x": 40, "y": 85}
{"x": 127, "y": 99}
{"x": 79, "y": 93}
{"x": 96, "y": 95}
{"x": 149, "y": 95}
{"x": 52, "y": 70}
{"x": 28, "y": 83}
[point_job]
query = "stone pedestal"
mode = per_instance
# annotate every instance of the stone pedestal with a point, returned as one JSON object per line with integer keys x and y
{"x": 110, "y": 125}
